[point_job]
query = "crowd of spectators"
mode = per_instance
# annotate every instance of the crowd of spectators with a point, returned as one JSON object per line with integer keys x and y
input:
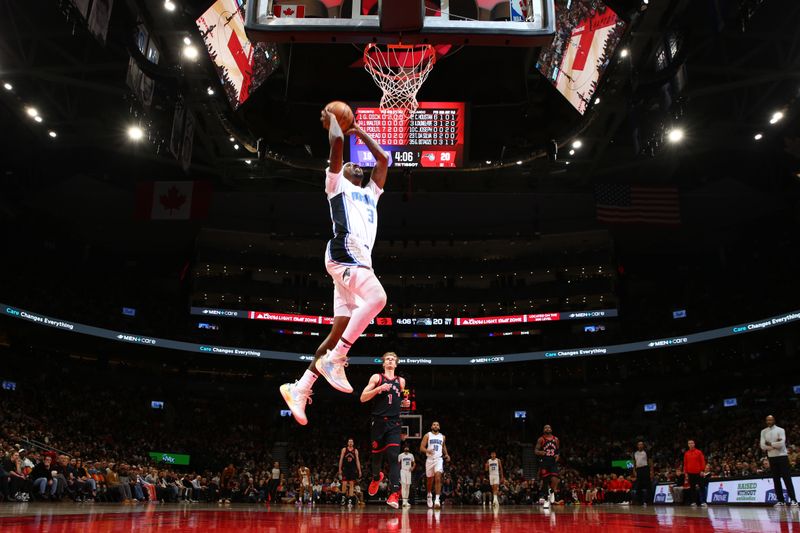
{"x": 92, "y": 442}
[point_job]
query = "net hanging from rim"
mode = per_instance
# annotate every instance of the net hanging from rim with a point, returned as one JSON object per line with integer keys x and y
{"x": 399, "y": 71}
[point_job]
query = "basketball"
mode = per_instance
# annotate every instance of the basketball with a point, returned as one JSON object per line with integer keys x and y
{"x": 344, "y": 115}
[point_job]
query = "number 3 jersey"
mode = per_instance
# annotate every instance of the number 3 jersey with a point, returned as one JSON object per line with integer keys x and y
{"x": 435, "y": 444}
{"x": 354, "y": 215}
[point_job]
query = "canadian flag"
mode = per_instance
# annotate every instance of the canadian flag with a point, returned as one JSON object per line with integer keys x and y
{"x": 172, "y": 200}
{"x": 289, "y": 11}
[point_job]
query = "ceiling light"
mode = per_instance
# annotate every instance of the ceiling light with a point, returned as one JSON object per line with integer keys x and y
{"x": 38, "y": 119}
{"x": 135, "y": 133}
{"x": 7, "y": 86}
{"x": 31, "y": 111}
{"x": 232, "y": 139}
{"x": 190, "y": 52}
{"x": 235, "y": 146}
{"x": 776, "y": 117}
{"x": 248, "y": 162}
{"x": 169, "y": 5}
{"x": 623, "y": 52}
{"x": 758, "y": 136}
{"x": 572, "y": 152}
{"x": 675, "y": 135}
{"x": 597, "y": 100}
{"x": 519, "y": 162}
{"x": 52, "y": 134}
{"x": 488, "y": 162}
{"x": 210, "y": 91}
{"x": 577, "y": 143}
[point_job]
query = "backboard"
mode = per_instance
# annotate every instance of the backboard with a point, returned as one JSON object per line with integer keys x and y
{"x": 464, "y": 22}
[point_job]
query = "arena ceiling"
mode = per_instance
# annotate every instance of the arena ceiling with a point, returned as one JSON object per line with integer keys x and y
{"x": 727, "y": 73}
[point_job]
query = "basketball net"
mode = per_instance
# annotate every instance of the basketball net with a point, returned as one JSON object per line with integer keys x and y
{"x": 399, "y": 71}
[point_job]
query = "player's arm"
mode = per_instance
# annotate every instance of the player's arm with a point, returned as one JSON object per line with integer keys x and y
{"x": 538, "y": 449}
{"x": 373, "y": 389}
{"x": 444, "y": 449}
{"x": 413, "y": 463}
{"x": 358, "y": 464}
{"x": 423, "y": 446}
{"x": 336, "y": 140}
{"x": 381, "y": 167}
{"x": 558, "y": 450}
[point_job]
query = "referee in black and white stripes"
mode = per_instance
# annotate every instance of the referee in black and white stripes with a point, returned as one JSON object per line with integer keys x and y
{"x": 644, "y": 473}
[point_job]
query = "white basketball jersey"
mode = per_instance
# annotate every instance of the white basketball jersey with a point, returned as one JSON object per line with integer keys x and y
{"x": 435, "y": 444}
{"x": 354, "y": 214}
{"x": 405, "y": 460}
{"x": 494, "y": 467}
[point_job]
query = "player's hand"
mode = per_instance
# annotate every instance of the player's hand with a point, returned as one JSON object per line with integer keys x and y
{"x": 405, "y": 404}
{"x": 386, "y": 387}
{"x": 447, "y": 458}
{"x": 355, "y": 129}
{"x": 326, "y": 117}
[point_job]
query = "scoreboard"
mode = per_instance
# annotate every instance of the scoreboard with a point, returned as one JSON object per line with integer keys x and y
{"x": 432, "y": 137}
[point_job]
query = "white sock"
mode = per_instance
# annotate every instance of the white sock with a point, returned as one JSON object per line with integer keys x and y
{"x": 437, "y": 497}
{"x": 429, "y": 495}
{"x": 307, "y": 381}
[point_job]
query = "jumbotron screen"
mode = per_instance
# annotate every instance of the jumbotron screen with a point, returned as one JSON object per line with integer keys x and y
{"x": 587, "y": 33}
{"x": 432, "y": 137}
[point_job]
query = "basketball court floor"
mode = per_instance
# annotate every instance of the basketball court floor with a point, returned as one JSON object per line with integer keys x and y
{"x": 67, "y": 517}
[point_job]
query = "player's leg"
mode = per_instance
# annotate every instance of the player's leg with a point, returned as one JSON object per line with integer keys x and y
{"x": 554, "y": 480}
{"x": 377, "y": 432}
{"x": 360, "y": 295}
{"x": 392, "y": 453}
{"x": 438, "y": 487}
{"x": 430, "y": 474}
{"x": 495, "y": 489}
{"x": 545, "y": 488}
{"x": 405, "y": 486}
{"x": 298, "y": 394}
{"x": 364, "y": 283}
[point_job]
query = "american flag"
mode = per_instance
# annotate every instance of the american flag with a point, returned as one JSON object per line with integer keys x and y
{"x": 632, "y": 204}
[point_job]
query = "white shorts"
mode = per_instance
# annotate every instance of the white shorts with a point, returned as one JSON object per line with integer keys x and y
{"x": 345, "y": 300}
{"x": 494, "y": 480}
{"x": 434, "y": 465}
{"x": 405, "y": 477}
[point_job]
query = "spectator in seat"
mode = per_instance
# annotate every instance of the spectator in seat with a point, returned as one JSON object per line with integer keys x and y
{"x": 115, "y": 485}
{"x": 19, "y": 486}
{"x": 42, "y": 475}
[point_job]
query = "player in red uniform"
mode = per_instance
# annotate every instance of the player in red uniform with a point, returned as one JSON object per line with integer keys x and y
{"x": 547, "y": 448}
{"x": 385, "y": 391}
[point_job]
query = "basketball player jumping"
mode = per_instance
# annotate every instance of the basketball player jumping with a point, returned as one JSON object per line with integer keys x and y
{"x": 349, "y": 471}
{"x": 407, "y": 465}
{"x": 547, "y": 448}
{"x": 385, "y": 390}
{"x": 434, "y": 447}
{"x": 358, "y": 296}
{"x": 495, "y": 468}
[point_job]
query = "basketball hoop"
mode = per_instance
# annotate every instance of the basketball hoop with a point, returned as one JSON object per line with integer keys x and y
{"x": 399, "y": 70}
